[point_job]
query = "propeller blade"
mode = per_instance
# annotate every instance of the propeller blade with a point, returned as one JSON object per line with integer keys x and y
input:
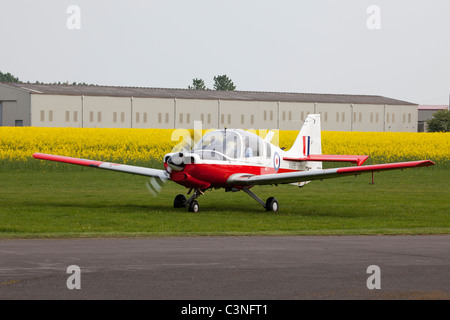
{"x": 154, "y": 185}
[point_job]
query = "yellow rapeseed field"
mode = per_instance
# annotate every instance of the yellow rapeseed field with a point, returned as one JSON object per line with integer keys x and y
{"x": 138, "y": 145}
{"x": 126, "y": 145}
{"x": 383, "y": 146}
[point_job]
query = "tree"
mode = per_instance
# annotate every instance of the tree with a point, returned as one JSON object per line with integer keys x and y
{"x": 8, "y": 77}
{"x": 197, "y": 84}
{"x": 440, "y": 122}
{"x": 223, "y": 83}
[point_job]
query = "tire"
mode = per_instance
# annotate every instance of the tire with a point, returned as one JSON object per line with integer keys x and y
{"x": 272, "y": 204}
{"x": 180, "y": 201}
{"x": 193, "y": 206}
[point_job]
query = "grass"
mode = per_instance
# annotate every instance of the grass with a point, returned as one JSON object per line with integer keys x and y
{"x": 71, "y": 201}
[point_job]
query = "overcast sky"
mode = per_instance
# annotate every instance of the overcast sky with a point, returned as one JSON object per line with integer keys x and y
{"x": 398, "y": 49}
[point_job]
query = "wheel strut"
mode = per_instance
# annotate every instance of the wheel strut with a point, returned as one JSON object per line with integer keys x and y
{"x": 191, "y": 203}
{"x": 254, "y": 196}
{"x": 270, "y": 205}
{"x": 197, "y": 193}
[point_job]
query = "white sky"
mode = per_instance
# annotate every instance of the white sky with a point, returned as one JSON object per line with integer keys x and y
{"x": 312, "y": 46}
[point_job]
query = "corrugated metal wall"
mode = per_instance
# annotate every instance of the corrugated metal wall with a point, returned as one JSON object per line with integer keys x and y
{"x": 129, "y": 112}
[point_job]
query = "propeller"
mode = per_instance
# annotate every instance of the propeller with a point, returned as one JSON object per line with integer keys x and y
{"x": 154, "y": 185}
{"x": 177, "y": 161}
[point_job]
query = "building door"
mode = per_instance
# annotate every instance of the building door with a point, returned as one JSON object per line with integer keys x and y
{"x": 1, "y": 112}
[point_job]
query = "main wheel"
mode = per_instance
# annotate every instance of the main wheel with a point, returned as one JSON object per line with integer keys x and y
{"x": 193, "y": 206}
{"x": 272, "y": 204}
{"x": 180, "y": 201}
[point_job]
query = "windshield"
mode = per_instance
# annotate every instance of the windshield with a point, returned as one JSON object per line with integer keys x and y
{"x": 253, "y": 145}
{"x": 219, "y": 145}
{"x": 230, "y": 144}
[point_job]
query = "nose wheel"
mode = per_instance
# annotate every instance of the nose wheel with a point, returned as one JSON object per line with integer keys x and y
{"x": 193, "y": 206}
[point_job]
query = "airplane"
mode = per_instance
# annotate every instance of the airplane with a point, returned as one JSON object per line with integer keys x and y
{"x": 236, "y": 160}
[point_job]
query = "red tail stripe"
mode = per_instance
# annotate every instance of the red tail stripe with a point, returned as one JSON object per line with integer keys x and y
{"x": 304, "y": 145}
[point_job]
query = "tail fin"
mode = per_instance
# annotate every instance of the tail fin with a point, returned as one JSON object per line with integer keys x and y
{"x": 308, "y": 147}
{"x": 308, "y": 141}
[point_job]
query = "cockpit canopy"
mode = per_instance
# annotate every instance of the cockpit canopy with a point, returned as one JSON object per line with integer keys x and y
{"x": 230, "y": 144}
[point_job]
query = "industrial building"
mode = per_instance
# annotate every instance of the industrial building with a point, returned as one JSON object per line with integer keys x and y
{"x": 425, "y": 112}
{"x": 46, "y": 105}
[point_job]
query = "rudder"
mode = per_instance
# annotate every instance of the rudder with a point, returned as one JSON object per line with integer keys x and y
{"x": 308, "y": 141}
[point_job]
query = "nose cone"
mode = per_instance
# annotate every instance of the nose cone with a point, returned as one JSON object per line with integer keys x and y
{"x": 176, "y": 162}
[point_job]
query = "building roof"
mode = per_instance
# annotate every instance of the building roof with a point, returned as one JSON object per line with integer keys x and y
{"x": 432, "y": 107}
{"x": 93, "y": 90}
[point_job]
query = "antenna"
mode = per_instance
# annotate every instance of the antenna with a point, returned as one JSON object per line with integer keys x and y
{"x": 224, "y": 143}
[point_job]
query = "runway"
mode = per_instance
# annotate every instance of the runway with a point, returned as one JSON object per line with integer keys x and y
{"x": 228, "y": 268}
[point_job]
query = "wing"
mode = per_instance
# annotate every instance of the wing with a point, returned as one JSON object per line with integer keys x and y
{"x": 149, "y": 172}
{"x": 359, "y": 160}
{"x": 243, "y": 179}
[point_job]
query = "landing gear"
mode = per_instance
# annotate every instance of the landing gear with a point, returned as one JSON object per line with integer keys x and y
{"x": 270, "y": 205}
{"x": 191, "y": 204}
{"x": 180, "y": 201}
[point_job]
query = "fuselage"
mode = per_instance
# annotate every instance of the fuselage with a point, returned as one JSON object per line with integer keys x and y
{"x": 223, "y": 153}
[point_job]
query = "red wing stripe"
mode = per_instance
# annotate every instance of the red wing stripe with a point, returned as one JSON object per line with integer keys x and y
{"x": 359, "y": 160}
{"x": 298, "y": 176}
{"x": 83, "y": 162}
{"x": 143, "y": 171}
{"x": 387, "y": 166}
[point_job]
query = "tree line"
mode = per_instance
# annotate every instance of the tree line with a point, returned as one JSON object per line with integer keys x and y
{"x": 8, "y": 77}
{"x": 221, "y": 82}
{"x": 440, "y": 122}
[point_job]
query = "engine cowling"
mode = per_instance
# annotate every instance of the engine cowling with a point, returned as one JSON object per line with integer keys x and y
{"x": 177, "y": 161}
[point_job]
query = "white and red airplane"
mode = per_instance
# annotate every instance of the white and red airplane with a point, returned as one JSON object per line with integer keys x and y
{"x": 237, "y": 160}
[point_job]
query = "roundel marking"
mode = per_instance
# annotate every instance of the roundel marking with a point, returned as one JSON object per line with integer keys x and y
{"x": 276, "y": 161}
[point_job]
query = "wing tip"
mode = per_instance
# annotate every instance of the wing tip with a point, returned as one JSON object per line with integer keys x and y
{"x": 426, "y": 163}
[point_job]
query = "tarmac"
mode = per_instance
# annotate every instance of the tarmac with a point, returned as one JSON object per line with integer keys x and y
{"x": 227, "y": 268}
